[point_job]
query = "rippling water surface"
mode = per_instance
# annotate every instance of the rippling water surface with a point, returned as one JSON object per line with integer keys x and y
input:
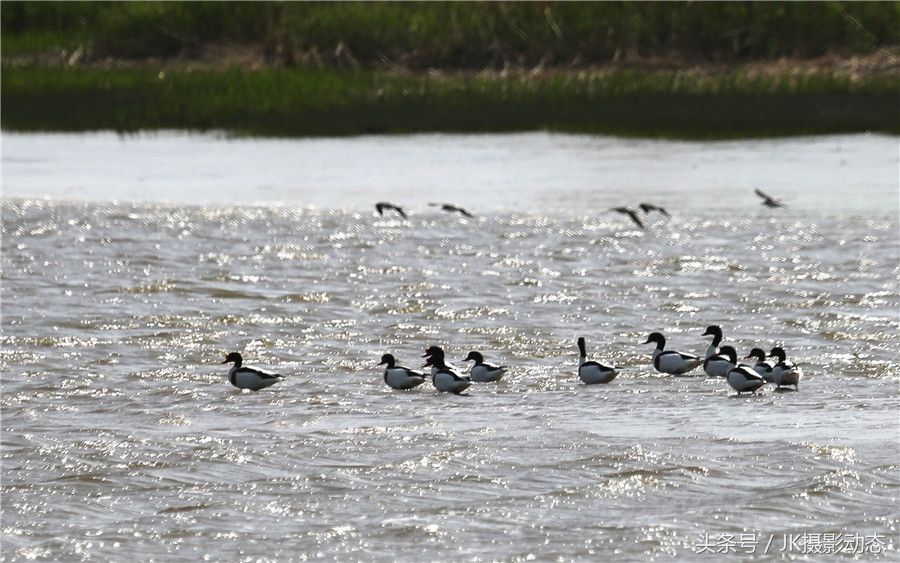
{"x": 122, "y": 438}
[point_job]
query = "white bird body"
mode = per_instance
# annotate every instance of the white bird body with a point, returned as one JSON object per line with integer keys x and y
{"x": 674, "y": 363}
{"x": 785, "y": 372}
{"x": 762, "y": 367}
{"x": 593, "y": 372}
{"x": 399, "y": 377}
{"x": 448, "y": 381}
{"x": 486, "y": 372}
{"x": 744, "y": 379}
{"x": 246, "y": 377}
{"x": 483, "y": 372}
{"x": 670, "y": 361}
{"x": 402, "y": 378}
{"x": 786, "y": 375}
{"x": 718, "y": 365}
{"x": 443, "y": 377}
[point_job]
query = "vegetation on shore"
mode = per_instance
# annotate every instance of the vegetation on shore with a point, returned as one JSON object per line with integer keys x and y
{"x": 304, "y": 102}
{"x": 688, "y": 70}
{"x": 452, "y": 35}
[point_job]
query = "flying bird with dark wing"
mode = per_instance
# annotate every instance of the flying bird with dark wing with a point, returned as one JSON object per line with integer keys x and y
{"x": 450, "y": 208}
{"x": 648, "y": 207}
{"x": 382, "y": 206}
{"x": 631, "y": 213}
{"x": 768, "y": 200}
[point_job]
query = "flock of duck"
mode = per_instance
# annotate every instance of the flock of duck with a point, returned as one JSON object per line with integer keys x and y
{"x": 383, "y": 206}
{"x": 718, "y": 362}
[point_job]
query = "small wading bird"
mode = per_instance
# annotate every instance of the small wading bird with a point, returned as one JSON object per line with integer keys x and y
{"x": 768, "y": 200}
{"x": 399, "y": 377}
{"x": 437, "y": 351}
{"x": 648, "y": 207}
{"x": 670, "y": 361}
{"x": 450, "y": 208}
{"x": 445, "y": 379}
{"x": 744, "y": 379}
{"x": 593, "y": 372}
{"x": 483, "y": 371}
{"x": 785, "y": 372}
{"x": 381, "y": 206}
{"x": 245, "y": 377}
{"x": 762, "y": 367}
{"x": 719, "y": 365}
{"x": 631, "y": 213}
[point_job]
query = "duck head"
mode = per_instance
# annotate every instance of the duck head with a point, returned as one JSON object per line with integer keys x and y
{"x": 658, "y": 338}
{"x": 758, "y": 354}
{"x": 715, "y": 332}
{"x": 475, "y": 356}
{"x": 778, "y": 352}
{"x": 389, "y": 360}
{"x": 233, "y": 357}
{"x": 433, "y": 351}
{"x": 730, "y": 352}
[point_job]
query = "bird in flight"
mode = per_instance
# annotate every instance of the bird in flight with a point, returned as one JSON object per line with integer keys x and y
{"x": 450, "y": 208}
{"x": 768, "y": 200}
{"x": 381, "y": 206}
{"x": 648, "y": 207}
{"x": 631, "y": 213}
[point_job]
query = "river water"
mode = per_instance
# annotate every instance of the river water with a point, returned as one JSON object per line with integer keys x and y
{"x": 131, "y": 265}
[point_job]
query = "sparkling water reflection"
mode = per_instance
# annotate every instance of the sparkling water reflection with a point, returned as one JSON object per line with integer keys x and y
{"x": 122, "y": 438}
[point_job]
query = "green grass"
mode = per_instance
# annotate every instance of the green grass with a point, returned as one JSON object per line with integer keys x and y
{"x": 307, "y": 102}
{"x": 455, "y": 34}
{"x": 330, "y": 68}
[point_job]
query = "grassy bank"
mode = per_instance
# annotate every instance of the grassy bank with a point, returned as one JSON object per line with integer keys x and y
{"x": 458, "y": 35}
{"x": 690, "y": 70}
{"x": 306, "y": 101}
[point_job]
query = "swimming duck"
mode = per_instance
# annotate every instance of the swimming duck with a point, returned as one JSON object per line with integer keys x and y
{"x": 483, "y": 371}
{"x": 762, "y": 367}
{"x": 445, "y": 379}
{"x": 785, "y": 372}
{"x": 670, "y": 361}
{"x": 744, "y": 379}
{"x": 399, "y": 377}
{"x": 593, "y": 372}
{"x": 722, "y": 363}
{"x": 245, "y": 377}
{"x": 437, "y": 351}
